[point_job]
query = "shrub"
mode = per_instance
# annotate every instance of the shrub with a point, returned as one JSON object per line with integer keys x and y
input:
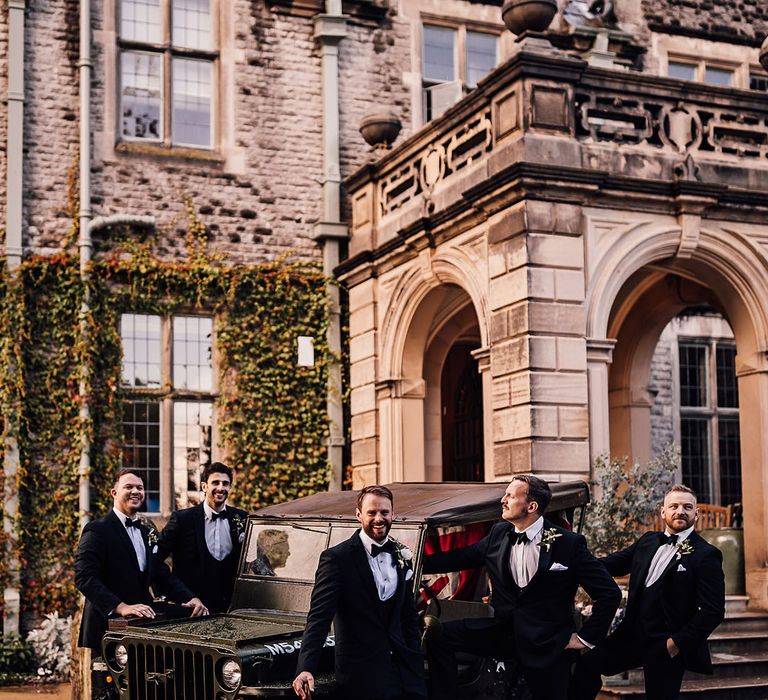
{"x": 51, "y": 645}
{"x": 626, "y": 498}
{"x": 16, "y": 660}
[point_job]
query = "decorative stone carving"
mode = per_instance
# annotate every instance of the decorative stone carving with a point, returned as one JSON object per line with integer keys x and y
{"x": 528, "y": 15}
{"x": 680, "y": 127}
{"x": 764, "y": 54}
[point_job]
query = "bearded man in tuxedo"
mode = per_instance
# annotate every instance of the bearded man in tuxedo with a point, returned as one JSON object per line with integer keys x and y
{"x": 114, "y": 568}
{"x": 363, "y": 585}
{"x": 204, "y": 541}
{"x": 676, "y": 600}
{"x": 535, "y": 569}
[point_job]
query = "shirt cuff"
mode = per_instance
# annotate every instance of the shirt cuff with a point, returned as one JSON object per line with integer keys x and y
{"x": 585, "y": 643}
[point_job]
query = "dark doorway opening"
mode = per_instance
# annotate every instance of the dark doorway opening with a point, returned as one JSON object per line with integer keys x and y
{"x": 462, "y": 416}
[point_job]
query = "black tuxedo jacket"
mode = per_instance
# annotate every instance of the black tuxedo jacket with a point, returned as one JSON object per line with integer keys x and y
{"x": 107, "y": 573}
{"x": 367, "y": 639}
{"x": 692, "y": 594}
{"x": 183, "y": 539}
{"x": 541, "y": 614}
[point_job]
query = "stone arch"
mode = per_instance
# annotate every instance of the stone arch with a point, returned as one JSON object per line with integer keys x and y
{"x": 626, "y": 302}
{"x": 428, "y": 310}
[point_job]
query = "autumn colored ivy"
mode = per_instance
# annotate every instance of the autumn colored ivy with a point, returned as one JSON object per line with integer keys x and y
{"x": 271, "y": 413}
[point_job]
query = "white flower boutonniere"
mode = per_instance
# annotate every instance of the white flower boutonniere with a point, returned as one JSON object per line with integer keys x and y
{"x": 548, "y": 538}
{"x": 403, "y": 556}
{"x": 152, "y": 536}
{"x": 239, "y": 523}
{"x": 684, "y": 548}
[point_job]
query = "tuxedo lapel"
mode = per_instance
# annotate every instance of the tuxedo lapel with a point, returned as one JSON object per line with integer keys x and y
{"x": 645, "y": 558}
{"x": 199, "y": 525}
{"x": 121, "y": 535}
{"x": 545, "y": 559}
{"x": 360, "y": 557}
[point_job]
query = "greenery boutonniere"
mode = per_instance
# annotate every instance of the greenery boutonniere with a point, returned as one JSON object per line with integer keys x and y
{"x": 152, "y": 534}
{"x": 548, "y": 538}
{"x": 683, "y": 548}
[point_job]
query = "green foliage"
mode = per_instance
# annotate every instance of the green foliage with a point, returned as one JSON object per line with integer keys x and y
{"x": 271, "y": 413}
{"x": 16, "y": 660}
{"x": 627, "y": 498}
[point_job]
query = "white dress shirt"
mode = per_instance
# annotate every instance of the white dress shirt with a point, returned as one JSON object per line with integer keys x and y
{"x": 217, "y": 536}
{"x": 383, "y": 567}
{"x": 134, "y": 534}
{"x": 524, "y": 556}
{"x": 663, "y": 556}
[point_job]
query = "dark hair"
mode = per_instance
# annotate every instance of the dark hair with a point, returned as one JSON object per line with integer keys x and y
{"x": 374, "y": 490}
{"x": 127, "y": 470}
{"x": 213, "y": 468}
{"x": 683, "y": 489}
{"x": 538, "y": 490}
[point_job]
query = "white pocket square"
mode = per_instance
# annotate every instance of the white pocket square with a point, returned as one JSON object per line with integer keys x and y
{"x": 408, "y": 574}
{"x": 680, "y": 567}
{"x": 558, "y": 567}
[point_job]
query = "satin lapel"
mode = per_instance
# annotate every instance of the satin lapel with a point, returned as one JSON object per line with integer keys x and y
{"x": 233, "y": 534}
{"x": 360, "y": 557}
{"x": 122, "y": 536}
{"x": 502, "y": 554}
{"x": 646, "y": 557}
{"x": 199, "y": 525}
{"x": 147, "y": 573}
{"x": 545, "y": 558}
{"x": 679, "y": 558}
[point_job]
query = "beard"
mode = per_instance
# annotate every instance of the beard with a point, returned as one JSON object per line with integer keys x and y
{"x": 371, "y": 532}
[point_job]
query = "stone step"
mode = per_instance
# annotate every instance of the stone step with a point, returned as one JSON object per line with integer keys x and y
{"x": 748, "y": 688}
{"x": 738, "y": 642}
{"x": 748, "y": 663}
{"x": 735, "y": 604}
{"x": 745, "y": 622}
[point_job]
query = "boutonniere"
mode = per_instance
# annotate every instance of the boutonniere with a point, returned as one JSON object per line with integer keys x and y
{"x": 548, "y": 538}
{"x": 239, "y": 524}
{"x": 683, "y": 548}
{"x": 403, "y": 555}
{"x": 152, "y": 534}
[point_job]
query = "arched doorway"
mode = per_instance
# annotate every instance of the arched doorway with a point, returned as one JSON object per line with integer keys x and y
{"x": 461, "y": 396}
{"x": 645, "y": 278}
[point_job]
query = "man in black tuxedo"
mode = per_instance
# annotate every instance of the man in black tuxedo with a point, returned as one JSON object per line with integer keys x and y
{"x": 114, "y": 567}
{"x": 535, "y": 569}
{"x": 676, "y": 600}
{"x": 363, "y": 585}
{"x": 204, "y": 541}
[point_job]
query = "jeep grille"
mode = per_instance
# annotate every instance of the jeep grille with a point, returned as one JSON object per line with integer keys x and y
{"x": 162, "y": 672}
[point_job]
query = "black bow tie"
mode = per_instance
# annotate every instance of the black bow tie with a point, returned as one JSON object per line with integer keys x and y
{"x": 668, "y": 539}
{"x": 377, "y": 549}
{"x": 517, "y": 537}
{"x": 133, "y": 523}
{"x": 216, "y": 516}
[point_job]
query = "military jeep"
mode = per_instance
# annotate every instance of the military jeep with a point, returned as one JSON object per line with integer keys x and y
{"x": 251, "y": 651}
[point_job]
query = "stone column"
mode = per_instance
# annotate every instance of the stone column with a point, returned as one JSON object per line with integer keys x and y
{"x": 538, "y": 347}
{"x": 483, "y": 357}
{"x": 599, "y": 357}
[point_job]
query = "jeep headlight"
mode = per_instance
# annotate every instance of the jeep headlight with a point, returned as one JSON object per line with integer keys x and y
{"x": 231, "y": 674}
{"x": 121, "y": 656}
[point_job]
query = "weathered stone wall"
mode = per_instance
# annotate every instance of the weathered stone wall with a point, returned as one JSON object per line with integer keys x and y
{"x": 261, "y": 198}
{"x": 661, "y": 388}
{"x": 3, "y": 109}
{"x": 746, "y": 20}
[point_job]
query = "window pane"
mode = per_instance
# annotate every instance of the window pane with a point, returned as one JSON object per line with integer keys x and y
{"x": 284, "y": 551}
{"x": 693, "y": 375}
{"x": 727, "y": 386}
{"x": 681, "y": 71}
{"x": 140, "y": 97}
{"x": 718, "y": 76}
{"x": 730, "y": 460}
{"x": 138, "y": 333}
{"x": 192, "y": 358}
{"x": 439, "y": 54}
{"x": 140, "y": 20}
{"x": 192, "y": 102}
{"x": 694, "y": 447}
{"x": 481, "y": 56}
{"x": 192, "y": 24}
{"x": 141, "y": 449}
{"x": 758, "y": 81}
{"x": 192, "y": 429}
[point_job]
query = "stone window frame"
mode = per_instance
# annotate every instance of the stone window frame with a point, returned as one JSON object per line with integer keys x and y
{"x": 461, "y": 27}
{"x": 701, "y": 53}
{"x": 715, "y": 333}
{"x": 167, "y": 396}
{"x": 224, "y": 149}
